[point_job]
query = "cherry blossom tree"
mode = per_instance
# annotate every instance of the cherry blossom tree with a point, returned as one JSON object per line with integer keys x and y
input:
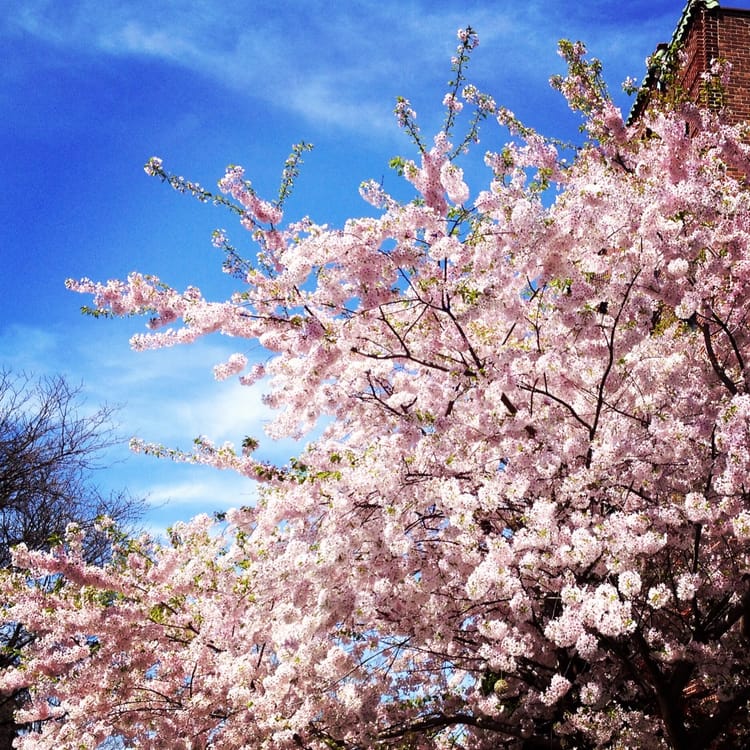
{"x": 50, "y": 449}
{"x": 524, "y": 521}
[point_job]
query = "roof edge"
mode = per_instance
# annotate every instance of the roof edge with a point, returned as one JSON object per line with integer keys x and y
{"x": 660, "y": 59}
{"x": 687, "y": 14}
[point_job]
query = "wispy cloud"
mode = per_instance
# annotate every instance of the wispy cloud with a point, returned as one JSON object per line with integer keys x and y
{"x": 194, "y": 494}
{"x": 204, "y": 492}
{"x": 332, "y": 63}
{"x": 166, "y": 396}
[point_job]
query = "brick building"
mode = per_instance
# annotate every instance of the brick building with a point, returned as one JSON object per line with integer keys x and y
{"x": 704, "y": 33}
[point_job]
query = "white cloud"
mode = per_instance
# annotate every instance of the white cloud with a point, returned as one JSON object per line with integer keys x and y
{"x": 338, "y": 64}
{"x": 25, "y": 348}
{"x": 133, "y": 38}
{"x": 168, "y": 397}
{"x": 180, "y": 500}
{"x": 205, "y": 491}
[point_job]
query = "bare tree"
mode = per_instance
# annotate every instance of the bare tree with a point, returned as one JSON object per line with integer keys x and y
{"x": 50, "y": 448}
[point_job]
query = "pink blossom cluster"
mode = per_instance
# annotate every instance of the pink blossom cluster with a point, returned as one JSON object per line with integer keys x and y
{"x": 404, "y": 113}
{"x": 452, "y": 103}
{"x": 233, "y": 183}
{"x": 468, "y": 37}
{"x": 235, "y": 364}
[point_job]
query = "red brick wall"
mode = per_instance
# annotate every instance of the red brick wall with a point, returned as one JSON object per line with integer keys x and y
{"x": 721, "y": 33}
{"x": 734, "y": 45}
{"x": 700, "y": 46}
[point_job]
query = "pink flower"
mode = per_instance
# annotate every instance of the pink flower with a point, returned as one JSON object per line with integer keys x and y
{"x": 453, "y": 104}
{"x": 558, "y": 687}
{"x": 236, "y": 363}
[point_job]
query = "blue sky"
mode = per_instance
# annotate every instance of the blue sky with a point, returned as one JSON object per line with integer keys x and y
{"x": 90, "y": 89}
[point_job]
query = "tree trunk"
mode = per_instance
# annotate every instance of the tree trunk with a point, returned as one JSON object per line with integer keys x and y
{"x": 8, "y": 726}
